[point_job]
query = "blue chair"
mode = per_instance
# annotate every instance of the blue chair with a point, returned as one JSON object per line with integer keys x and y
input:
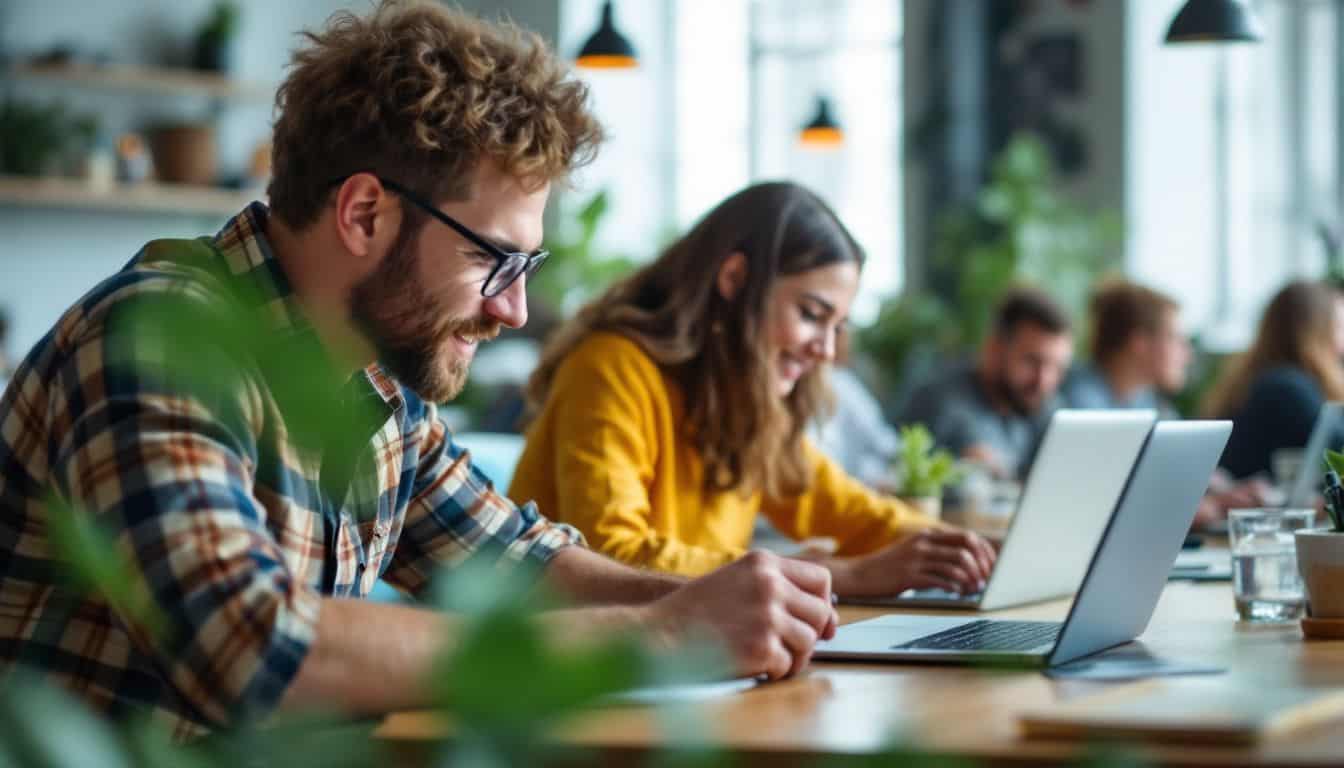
{"x": 494, "y": 453}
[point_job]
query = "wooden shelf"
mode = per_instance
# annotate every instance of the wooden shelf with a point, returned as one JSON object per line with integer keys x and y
{"x": 146, "y": 197}
{"x": 148, "y": 80}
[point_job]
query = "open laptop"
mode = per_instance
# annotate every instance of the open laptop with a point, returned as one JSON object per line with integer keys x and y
{"x": 1307, "y": 483}
{"x": 1077, "y": 477}
{"x": 1116, "y": 600}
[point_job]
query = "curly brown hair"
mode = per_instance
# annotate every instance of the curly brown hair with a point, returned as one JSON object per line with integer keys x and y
{"x": 421, "y": 94}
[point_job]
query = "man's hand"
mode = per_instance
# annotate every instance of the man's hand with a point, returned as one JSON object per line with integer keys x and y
{"x": 768, "y": 612}
{"x": 951, "y": 559}
{"x": 988, "y": 458}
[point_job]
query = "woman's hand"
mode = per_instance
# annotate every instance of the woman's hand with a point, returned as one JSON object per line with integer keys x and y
{"x": 941, "y": 558}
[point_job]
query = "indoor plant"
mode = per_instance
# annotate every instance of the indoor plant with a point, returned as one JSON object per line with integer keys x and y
{"x": 922, "y": 470}
{"x": 214, "y": 40}
{"x": 1320, "y": 551}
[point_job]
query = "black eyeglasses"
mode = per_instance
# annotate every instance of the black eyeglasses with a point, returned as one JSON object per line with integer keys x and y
{"x": 509, "y": 265}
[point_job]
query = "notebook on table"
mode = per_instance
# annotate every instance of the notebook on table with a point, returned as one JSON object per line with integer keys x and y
{"x": 1223, "y": 712}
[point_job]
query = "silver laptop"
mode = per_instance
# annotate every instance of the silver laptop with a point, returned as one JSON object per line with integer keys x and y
{"x": 1307, "y": 483}
{"x": 1074, "y": 483}
{"x": 1118, "y": 594}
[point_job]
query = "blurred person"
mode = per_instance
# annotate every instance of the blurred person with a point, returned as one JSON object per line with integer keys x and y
{"x": 390, "y": 249}
{"x": 1139, "y": 358}
{"x": 1139, "y": 354}
{"x": 1273, "y": 392}
{"x": 995, "y": 410}
{"x": 672, "y": 411}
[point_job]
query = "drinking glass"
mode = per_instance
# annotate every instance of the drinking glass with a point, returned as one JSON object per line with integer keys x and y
{"x": 1265, "y": 581}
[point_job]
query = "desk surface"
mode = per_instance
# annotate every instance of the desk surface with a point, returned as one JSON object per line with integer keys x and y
{"x": 850, "y": 709}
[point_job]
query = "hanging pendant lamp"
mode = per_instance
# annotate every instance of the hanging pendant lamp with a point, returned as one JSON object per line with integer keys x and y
{"x": 823, "y": 132}
{"x": 607, "y": 48}
{"x": 1215, "y": 21}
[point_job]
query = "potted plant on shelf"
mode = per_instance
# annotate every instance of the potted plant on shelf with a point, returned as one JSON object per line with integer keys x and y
{"x": 214, "y": 40}
{"x": 922, "y": 470}
{"x": 1320, "y": 555}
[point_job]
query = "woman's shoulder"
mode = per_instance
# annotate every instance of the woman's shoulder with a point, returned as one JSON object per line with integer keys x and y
{"x": 1282, "y": 380}
{"x": 608, "y": 356}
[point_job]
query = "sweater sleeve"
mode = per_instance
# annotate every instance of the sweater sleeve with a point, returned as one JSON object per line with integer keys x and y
{"x": 607, "y": 399}
{"x": 839, "y": 507}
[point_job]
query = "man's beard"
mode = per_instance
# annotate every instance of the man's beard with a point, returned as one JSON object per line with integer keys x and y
{"x": 1015, "y": 401}
{"x": 412, "y": 332}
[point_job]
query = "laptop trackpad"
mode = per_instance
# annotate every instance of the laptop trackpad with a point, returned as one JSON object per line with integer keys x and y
{"x": 884, "y": 632}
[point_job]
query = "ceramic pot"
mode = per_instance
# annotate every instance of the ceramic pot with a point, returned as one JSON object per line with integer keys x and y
{"x": 1320, "y": 558}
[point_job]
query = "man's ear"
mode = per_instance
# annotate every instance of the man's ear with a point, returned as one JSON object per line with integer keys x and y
{"x": 366, "y": 218}
{"x": 732, "y": 275}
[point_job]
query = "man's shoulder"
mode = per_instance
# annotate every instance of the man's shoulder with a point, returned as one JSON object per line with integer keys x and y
{"x": 952, "y": 387}
{"x": 166, "y": 275}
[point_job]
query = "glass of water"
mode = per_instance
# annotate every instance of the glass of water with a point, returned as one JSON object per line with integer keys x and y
{"x": 1265, "y": 580}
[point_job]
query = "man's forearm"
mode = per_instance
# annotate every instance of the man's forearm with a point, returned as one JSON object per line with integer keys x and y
{"x": 587, "y": 578}
{"x": 373, "y": 658}
{"x": 370, "y": 658}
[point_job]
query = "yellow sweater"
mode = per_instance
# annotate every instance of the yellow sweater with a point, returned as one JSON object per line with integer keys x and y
{"x": 608, "y": 456}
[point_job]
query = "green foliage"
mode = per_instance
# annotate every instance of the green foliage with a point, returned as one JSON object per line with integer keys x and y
{"x": 222, "y": 24}
{"x": 1334, "y": 506}
{"x": 922, "y": 470}
{"x": 97, "y": 566}
{"x": 1020, "y": 229}
{"x": 35, "y": 138}
{"x": 576, "y": 270}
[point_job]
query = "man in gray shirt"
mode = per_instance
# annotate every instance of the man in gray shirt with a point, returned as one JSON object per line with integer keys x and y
{"x": 995, "y": 411}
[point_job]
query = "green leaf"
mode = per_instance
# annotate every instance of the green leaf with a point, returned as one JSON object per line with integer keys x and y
{"x": 44, "y": 727}
{"x": 96, "y": 566}
{"x": 921, "y": 469}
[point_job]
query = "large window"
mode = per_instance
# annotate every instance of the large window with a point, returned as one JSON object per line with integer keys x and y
{"x": 723, "y": 89}
{"x": 1233, "y": 160}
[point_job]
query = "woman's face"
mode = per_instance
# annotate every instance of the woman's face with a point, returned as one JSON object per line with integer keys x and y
{"x": 1170, "y": 355}
{"x": 805, "y": 316}
{"x": 1339, "y": 325}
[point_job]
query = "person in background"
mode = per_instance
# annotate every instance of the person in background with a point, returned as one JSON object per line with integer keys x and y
{"x": 1274, "y": 391}
{"x": 856, "y": 433}
{"x": 994, "y": 411}
{"x": 391, "y": 248}
{"x": 671, "y": 411}
{"x": 1139, "y": 355}
{"x": 6, "y": 369}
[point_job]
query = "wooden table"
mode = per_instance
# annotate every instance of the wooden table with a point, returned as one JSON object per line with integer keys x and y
{"x": 847, "y": 710}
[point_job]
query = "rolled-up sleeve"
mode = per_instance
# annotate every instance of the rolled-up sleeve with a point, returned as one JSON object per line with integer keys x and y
{"x": 455, "y": 514}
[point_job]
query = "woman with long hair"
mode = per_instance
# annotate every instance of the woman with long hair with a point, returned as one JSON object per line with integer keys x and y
{"x": 672, "y": 410}
{"x": 1274, "y": 391}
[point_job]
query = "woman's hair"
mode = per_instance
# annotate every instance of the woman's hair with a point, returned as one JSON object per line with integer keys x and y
{"x": 716, "y": 349}
{"x": 421, "y": 94}
{"x": 1119, "y": 310}
{"x": 1297, "y": 330}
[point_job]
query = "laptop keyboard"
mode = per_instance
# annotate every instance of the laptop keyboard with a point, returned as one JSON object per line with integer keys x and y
{"x": 986, "y": 635}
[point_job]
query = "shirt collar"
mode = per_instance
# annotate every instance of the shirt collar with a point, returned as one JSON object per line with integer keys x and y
{"x": 260, "y": 283}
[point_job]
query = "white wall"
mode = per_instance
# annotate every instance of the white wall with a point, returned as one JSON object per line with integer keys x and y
{"x": 48, "y": 258}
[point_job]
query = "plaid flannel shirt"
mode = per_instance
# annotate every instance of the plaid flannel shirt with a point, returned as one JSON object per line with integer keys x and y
{"x": 230, "y": 519}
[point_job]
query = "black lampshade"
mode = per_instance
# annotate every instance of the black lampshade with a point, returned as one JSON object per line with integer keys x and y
{"x": 607, "y": 48}
{"x": 823, "y": 130}
{"x": 1223, "y": 21}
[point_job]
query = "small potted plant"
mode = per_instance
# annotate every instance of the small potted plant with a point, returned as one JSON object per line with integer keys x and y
{"x": 214, "y": 40}
{"x": 922, "y": 470}
{"x": 1320, "y": 552}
